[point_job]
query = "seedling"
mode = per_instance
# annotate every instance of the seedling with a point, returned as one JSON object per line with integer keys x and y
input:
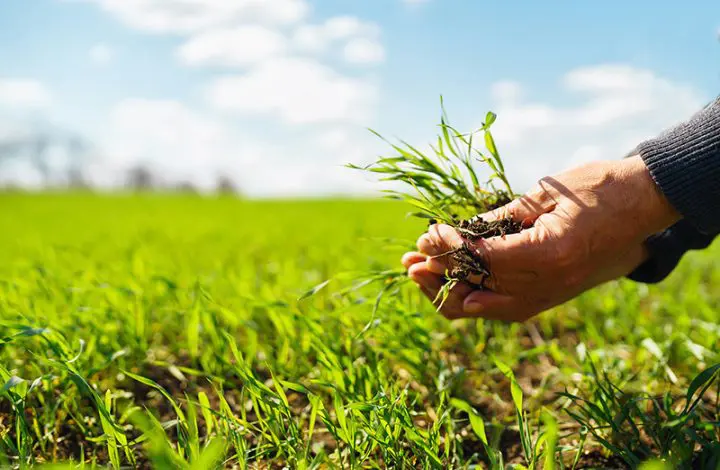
{"x": 446, "y": 187}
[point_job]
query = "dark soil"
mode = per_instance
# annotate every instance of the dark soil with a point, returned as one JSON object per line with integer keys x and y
{"x": 467, "y": 266}
{"x": 477, "y": 228}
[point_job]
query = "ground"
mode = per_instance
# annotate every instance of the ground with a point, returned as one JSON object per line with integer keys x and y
{"x": 174, "y": 331}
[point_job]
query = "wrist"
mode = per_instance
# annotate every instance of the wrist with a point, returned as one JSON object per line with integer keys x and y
{"x": 655, "y": 213}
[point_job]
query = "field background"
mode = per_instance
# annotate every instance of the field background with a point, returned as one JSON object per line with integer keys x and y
{"x": 200, "y": 296}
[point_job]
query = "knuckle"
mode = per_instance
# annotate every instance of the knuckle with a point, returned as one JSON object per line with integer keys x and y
{"x": 537, "y": 192}
{"x": 503, "y": 211}
{"x": 543, "y": 187}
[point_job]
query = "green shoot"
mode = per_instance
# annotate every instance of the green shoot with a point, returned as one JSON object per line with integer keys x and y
{"x": 445, "y": 184}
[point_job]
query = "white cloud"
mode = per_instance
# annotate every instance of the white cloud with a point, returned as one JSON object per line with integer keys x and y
{"x": 341, "y": 31}
{"x": 240, "y": 46}
{"x": 23, "y": 93}
{"x": 343, "y": 27}
{"x": 617, "y": 106}
{"x": 506, "y": 91}
{"x": 282, "y": 88}
{"x": 298, "y": 91}
{"x": 182, "y": 144}
{"x": 364, "y": 51}
{"x": 172, "y": 139}
{"x": 101, "y": 53}
{"x": 186, "y": 16}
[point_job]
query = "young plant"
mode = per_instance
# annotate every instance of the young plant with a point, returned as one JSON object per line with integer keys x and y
{"x": 445, "y": 186}
{"x": 637, "y": 426}
{"x": 545, "y": 442}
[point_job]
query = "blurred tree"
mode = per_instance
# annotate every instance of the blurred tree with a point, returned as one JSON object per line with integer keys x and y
{"x": 186, "y": 187}
{"x": 37, "y": 147}
{"x": 140, "y": 178}
{"x": 225, "y": 185}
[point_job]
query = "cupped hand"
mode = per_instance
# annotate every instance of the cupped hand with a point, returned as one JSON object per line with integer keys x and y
{"x": 587, "y": 226}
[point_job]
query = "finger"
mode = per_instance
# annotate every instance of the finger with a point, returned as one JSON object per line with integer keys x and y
{"x": 426, "y": 245}
{"x": 527, "y": 208}
{"x": 445, "y": 239}
{"x": 438, "y": 240}
{"x": 422, "y": 276}
{"x": 431, "y": 283}
{"x": 412, "y": 257}
{"x": 428, "y": 282}
{"x": 492, "y": 306}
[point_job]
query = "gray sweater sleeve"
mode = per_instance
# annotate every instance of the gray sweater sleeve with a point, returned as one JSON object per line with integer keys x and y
{"x": 685, "y": 163}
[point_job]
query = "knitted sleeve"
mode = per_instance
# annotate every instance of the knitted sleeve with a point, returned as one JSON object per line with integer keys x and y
{"x": 684, "y": 162}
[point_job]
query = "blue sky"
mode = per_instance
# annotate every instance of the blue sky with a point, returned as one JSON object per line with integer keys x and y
{"x": 277, "y": 93}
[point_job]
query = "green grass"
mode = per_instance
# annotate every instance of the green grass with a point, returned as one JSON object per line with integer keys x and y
{"x": 168, "y": 330}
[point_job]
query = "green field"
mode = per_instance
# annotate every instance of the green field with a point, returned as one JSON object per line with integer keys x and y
{"x": 167, "y": 331}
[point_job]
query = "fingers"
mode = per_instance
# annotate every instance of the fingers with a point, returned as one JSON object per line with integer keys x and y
{"x": 431, "y": 283}
{"x": 439, "y": 241}
{"x": 465, "y": 302}
{"x": 492, "y": 306}
{"x": 411, "y": 258}
{"x": 422, "y": 276}
{"x": 515, "y": 254}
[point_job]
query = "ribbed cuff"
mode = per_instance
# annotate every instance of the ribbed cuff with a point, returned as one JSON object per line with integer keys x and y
{"x": 685, "y": 164}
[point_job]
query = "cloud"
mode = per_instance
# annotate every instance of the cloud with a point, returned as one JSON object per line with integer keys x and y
{"x": 316, "y": 37}
{"x": 23, "y": 93}
{"x": 240, "y": 46}
{"x": 506, "y": 91}
{"x": 183, "y": 144}
{"x": 295, "y": 90}
{"x": 615, "y": 108}
{"x": 187, "y": 16}
{"x": 360, "y": 40}
{"x": 170, "y": 138}
{"x": 101, "y": 53}
{"x": 364, "y": 51}
{"x": 290, "y": 82}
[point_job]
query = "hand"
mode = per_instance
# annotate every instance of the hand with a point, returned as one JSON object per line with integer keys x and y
{"x": 587, "y": 226}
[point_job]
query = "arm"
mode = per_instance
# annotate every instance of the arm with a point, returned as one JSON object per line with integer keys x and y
{"x": 591, "y": 224}
{"x": 685, "y": 163}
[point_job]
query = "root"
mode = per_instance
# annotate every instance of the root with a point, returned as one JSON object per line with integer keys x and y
{"x": 467, "y": 265}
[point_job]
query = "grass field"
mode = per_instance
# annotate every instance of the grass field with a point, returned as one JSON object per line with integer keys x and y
{"x": 167, "y": 331}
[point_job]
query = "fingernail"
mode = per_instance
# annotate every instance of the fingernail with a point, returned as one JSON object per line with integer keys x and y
{"x": 473, "y": 308}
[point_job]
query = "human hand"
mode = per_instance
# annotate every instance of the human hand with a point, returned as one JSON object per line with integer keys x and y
{"x": 588, "y": 226}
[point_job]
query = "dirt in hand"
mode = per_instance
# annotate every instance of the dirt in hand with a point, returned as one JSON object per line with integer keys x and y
{"x": 477, "y": 228}
{"x": 467, "y": 265}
